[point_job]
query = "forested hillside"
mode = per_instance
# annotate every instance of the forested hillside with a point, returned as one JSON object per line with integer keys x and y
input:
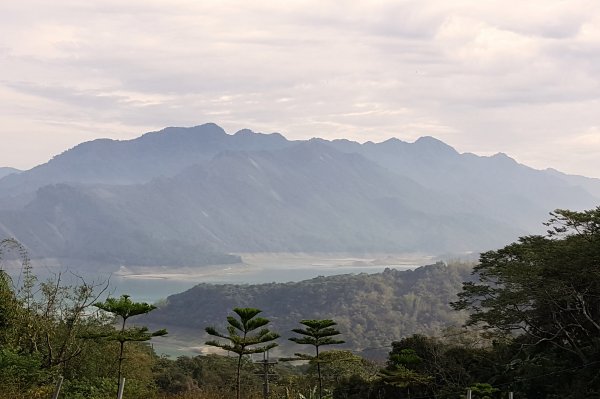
{"x": 531, "y": 310}
{"x": 371, "y": 309}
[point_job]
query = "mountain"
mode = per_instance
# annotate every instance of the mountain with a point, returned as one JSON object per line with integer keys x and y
{"x": 4, "y": 171}
{"x": 592, "y": 185}
{"x": 194, "y": 196}
{"x": 163, "y": 153}
{"x": 371, "y": 310}
{"x": 496, "y": 186}
{"x": 304, "y": 198}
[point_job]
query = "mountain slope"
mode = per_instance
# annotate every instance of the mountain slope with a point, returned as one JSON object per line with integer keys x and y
{"x": 163, "y": 153}
{"x": 305, "y": 198}
{"x": 497, "y": 186}
{"x": 592, "y": 185}
{"x": 372, "y": 310}
{"x": 186, "y": 196}
{"x": 7, "y": 171}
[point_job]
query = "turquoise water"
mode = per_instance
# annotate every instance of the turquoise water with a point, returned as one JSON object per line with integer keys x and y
{"x": 155, "y": 289}
{"x": 154, "y": 284}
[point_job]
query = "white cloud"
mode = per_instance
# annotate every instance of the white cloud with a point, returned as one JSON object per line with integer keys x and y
{"x": 485, "y": 76}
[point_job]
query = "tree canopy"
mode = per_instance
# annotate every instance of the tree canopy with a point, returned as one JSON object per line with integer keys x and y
{"x": 546, "y": 290}
{"x": 243, "y": 337}
{"x": 317, "y": 333}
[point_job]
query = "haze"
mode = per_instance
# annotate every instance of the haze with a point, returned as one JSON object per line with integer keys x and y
{"x": 485, "y": 77}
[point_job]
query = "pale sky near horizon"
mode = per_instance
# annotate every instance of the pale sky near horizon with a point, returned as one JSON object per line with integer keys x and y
{"x": 519, "y": 77}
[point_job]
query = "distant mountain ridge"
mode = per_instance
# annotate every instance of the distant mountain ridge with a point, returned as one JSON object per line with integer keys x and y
{"x": 192, "y": 196}
{"x": 154, "y": 154}
{"x": 4, "y": 171}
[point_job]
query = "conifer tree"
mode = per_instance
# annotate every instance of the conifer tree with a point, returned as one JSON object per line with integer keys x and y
{"x": 318, "y": 333}
{"x": 126, "y": 308}
{"x": 241, "y": 339}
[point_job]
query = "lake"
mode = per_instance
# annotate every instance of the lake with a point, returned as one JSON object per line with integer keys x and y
{"x": 151, "y": 284}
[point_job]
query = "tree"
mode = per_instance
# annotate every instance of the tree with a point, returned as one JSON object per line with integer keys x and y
{"x": 40, "y": 325}
{"x": 482, "y": 391}
{"x": 241, "y": 339}
{"x": 126, "y": 308}
{"x": 15, "y": 298}
{"x": 318, "y": 333}
{"x": 337, "y": 365}
{"x": 546, "y": 291}
{"x": 401, "y": 370}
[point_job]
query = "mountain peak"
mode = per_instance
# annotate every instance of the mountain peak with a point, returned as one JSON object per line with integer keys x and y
{"x": 502, "y": 157}
{"x": 205, "y": 130}
{"x": 5, "y": 171}
{"x": 393, "y": 140}
{"x": 434, "y": 144}
{"x": 251, "y": 133}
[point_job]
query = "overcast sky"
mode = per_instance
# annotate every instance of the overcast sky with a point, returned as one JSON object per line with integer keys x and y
{"x": 513, "y": 76}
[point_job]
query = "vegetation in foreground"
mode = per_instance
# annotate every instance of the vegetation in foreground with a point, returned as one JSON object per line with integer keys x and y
{"x": 534, "y": 329}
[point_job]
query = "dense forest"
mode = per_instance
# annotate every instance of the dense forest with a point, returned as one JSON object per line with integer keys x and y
{"x": 372, "y": 310}
{"x": 532, "y": 328}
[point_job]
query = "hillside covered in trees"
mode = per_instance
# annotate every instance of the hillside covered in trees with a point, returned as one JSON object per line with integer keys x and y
{"x": 371, "y": 310}
{"x": 531, "y": 328}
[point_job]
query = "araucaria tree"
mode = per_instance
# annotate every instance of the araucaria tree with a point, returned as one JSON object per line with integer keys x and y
{"x": 126, "y": 308}
{"x": 317, "y": 333}
{"x": 243, "y": 337}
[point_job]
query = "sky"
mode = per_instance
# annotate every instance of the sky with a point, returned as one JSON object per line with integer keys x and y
{"x": 512, "y": 76}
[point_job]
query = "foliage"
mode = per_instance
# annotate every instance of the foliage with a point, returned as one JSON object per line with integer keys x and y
{"x": 21, "y": 371}
{"x": 545, "y": 290}
{"x": 339, "y": 365}
{"x": 41, "y": 325}
{"x": 533, "y": 329}
{"x": 126, "y": 308}
{"x": 243, "y": 337}
{"x": 371, "y": 309}
{"x": 482, "y": 391}
{"x": 317, "y": 333}
{"x": 205, "y": 375}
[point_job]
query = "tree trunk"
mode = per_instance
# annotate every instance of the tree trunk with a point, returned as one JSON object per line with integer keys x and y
{"x": 238, "y": 381}
{"x": 122, "y": 346}
{"x": 319, "y": 375}
{"x": 120, "y": 362}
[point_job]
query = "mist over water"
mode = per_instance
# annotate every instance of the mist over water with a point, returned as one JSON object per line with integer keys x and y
{"x": 152, "y": 284}
{"x": 154, "y": 289}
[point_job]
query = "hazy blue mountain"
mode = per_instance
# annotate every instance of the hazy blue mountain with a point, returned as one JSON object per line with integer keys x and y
{"x": 497, "y": 186}
{"x": 592, "y": 185}
{"x": 194, "y": 195}
{"x": 4, "y": 171}
{"x": 307, "y": 197}
{"x": 85, "y": 223}
{"x": 163, "y": 153}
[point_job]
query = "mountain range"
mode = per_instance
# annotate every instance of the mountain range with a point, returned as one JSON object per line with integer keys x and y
{"x": 197, "y": 196}
{"x": 5, "y": 171}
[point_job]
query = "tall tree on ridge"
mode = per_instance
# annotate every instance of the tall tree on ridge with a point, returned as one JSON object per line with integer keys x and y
{"x": 241, "y": 340}
{"x": 126, "y": 308}
{"x": 317, "y": 333}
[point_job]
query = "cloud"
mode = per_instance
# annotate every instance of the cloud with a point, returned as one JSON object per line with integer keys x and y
{"x": 483, "y": 76}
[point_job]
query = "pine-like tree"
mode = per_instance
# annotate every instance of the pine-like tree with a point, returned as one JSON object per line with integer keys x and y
{"x": 317, "y": 333}
{"x": 241, "y": 339}
{"x": 126, "y": 308}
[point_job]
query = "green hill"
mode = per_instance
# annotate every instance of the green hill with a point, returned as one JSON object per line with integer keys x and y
{"x": 372, "y": 310}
